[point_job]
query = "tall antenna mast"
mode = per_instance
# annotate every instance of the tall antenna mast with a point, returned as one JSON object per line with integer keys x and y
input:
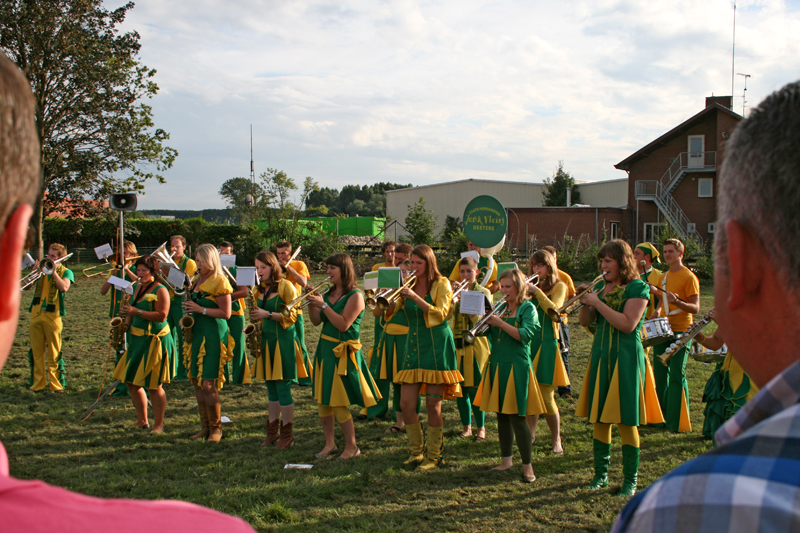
{"x": 744, "y": 93}
{"x": 733, "y": 51}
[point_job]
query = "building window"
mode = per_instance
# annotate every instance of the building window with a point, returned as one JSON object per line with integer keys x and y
{"x": 651, "y": 232}
{"x": 614, "y": 230}
{"x": 712, "y": 227}
{"x": 705, "y": 187}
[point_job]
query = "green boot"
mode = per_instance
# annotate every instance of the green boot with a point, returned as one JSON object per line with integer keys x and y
{"x": 434, "y": 449}
{"x": 416, "y": 444}
{"x": 602, "y": 456}
{"x": 630, "y": 469}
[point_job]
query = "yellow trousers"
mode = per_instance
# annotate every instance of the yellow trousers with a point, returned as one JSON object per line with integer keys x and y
{"x": 47, "y": 366}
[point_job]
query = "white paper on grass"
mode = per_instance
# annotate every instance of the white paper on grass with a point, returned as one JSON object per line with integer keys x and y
{"x": 246, "y": 276}
{"x": 225, "y": 420}
{"x": 298, "y": 466}
{"x": 27, "y": 261}
{"x": 228, "y": 260}
{"x": 176, "y": 277}
{"x": 472, "y": 303}
{"x": 121, "y": 284}
{"x": 104, "y": 251}
{"x": 471, "y": 253}
{"x": 371, "y": 281}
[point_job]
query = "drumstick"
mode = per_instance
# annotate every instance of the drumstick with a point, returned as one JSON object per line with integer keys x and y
{"x": 662, "y": 290}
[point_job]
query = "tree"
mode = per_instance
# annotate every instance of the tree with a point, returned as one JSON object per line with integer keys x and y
{"x": 420, "y": 223}
{"x": 234, "y": 191}
{"x": 555, "y": 189}
{"x": 451, "y": 225}
{"x": 97, "y": 136}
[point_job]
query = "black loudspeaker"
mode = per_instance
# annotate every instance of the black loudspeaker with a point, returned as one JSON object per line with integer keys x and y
{"x": 122, "y": 202}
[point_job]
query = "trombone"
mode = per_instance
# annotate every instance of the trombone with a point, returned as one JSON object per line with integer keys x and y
{"x": 302, "y": 301}
{"x": 113, "y": 266}
{"x": 384, "y": 302}
{"x": 45, "y": 268}
{"x": 573, "y": 304}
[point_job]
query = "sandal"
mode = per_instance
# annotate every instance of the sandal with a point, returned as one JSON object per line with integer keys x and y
{"x": 479, "y": 438}
{"x": 394, "y": 429}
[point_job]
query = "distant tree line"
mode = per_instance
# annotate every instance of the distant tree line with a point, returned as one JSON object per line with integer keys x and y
{"x": 352, "y": 200}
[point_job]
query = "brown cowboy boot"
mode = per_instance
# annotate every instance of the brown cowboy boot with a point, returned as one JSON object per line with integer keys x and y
{"x": 273, "y": 428}
{"x": 287, "y": 439}
{"x": 201, "y": 406}
{"x": 214, "y": 423}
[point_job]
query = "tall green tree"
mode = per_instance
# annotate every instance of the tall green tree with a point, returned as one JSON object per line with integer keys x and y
{"x": 420, "y": 223}
{"x": 555, "y": 188}
{"x": 97, "y": 135}
{"x": 234, "y": 191}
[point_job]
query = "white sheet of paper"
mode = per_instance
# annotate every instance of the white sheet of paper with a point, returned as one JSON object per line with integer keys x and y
{"x": 104, "y": 252}
{"x": 471, "y": 253}
{"x": 27, "y": 261}
{"x": 121, "y": 284}
{"x": 176, "y": 276}
{"x": 225, "y": 420}
{"x": 472, "y": 303}
{"x": 371, "y": 281}
{"x": 298, "y": 466}
{"x": 246, "y": 276}
{"x": 228, "y": 260}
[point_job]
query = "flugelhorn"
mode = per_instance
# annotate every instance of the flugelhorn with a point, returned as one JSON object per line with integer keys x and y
{"x": 371, "y": 296}
{"x": 461, "y": 287}
{"x": 384, "y": 302}
{"x": 684, "y": 339}
{"x": 45, "y": 268}
{"x": 302, "y": 301}
{"x": 481, "y": 325}
{"x": 574, "y": 303}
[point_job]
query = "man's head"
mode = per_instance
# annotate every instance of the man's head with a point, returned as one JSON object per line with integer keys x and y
{"x": 20, "y": 184}
{"x": 645, "y": 252}
{"x": 388, "y": 249}
{"x": 284, "y": 249}
{"x": 402, "y": 252}
{"x": 226, "y": 248}
{"x": 177, "y": 243}
{"x": 56, "y": 251}
{"x": 757, "y": 245}
{"x": 673, "y": 251}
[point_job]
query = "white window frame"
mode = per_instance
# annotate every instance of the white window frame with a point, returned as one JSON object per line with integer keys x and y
{"x": 712, "y": 227}
{"x": 650, "y": 230}
{"x": 700, "y": 182}
{"x": 614, "y": 229}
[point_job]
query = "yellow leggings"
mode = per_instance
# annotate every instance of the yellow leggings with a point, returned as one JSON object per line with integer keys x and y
{"x": 629, "y": 434}
{"x": 342, "y": 413}
{"x": 45, "y": 338}
{"x": 549, "y": 395}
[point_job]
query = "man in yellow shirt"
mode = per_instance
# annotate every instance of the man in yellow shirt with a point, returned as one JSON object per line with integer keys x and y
{"x": 297, "y": 273}
{"x": 177, "y": 244}
{"x": 679, "y": 299}
{"x": 387, "y": 249}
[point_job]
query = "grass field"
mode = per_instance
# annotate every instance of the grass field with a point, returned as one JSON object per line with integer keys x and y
{"x": 374, "y": 492}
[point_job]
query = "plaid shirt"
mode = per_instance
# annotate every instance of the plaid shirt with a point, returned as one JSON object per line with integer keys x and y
{"x": 750, "y": 482}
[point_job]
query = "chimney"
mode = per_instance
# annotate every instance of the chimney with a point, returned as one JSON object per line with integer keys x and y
{"x": 724, "y": 101}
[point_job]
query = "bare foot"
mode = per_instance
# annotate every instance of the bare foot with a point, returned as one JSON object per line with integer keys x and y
{"x": 144, "y": 425}
{"x": 467, "y": 432}
{"x": 558, "y": 449}
{"x": 504, "y": 465}
{"x": 157, "y": 429}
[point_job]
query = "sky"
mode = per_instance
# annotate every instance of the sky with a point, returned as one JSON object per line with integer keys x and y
{"x": 422, "y": 92}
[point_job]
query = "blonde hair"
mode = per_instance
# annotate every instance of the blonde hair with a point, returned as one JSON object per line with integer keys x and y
{"x": 519, "y": 282}
{"x": 209, "y": 256}
{"x": 59, "y": 248}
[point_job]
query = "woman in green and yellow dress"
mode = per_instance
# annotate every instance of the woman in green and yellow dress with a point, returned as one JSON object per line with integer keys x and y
{"x": 209, "y": 346}
{"x": 146, "y": 364}
{"x": 429, "y": 365}
{"x": 281, "y": 361}
{"x": 341, "y": 376}
{"x": 471, "y": 357}
{"x": 548, "y": 293}
{"x": 617, "y": 388}
{"x": 509, "y": 386}
{"x": 116, "y": 299}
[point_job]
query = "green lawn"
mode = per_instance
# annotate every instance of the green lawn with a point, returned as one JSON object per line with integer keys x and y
{"x": 375, "y": 492}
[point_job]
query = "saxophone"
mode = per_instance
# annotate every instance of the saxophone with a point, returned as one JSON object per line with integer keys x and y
{"x": 252, "y": 331}
{"x": 118, "y": 324}
{"x": 187, "y": 321}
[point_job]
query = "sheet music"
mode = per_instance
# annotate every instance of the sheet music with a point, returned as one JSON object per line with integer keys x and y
{"x": 104, "y": 251}
{"x": 121, "y": 284}
{"x": 472, "y": 303}
{"x": 246, "y": 276}
{"x": 176, "y": 276}
{"x": 371, "y": 281}
{"x": 228, "y": 260}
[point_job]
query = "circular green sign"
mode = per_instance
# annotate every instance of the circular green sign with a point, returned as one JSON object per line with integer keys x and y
{"x": 485, "y": 221}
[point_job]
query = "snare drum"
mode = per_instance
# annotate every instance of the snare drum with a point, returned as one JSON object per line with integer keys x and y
{"x": 656, "y": 331}
{"x": 704, "y": 355}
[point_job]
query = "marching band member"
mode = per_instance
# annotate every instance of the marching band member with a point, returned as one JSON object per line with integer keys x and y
{"x": 281, "y": 361}
{"x": 239, "y": 366}
{"x": 341, "y": 376}
{"x": 617, "y": 388}
{"x": 471, "y": 357}
{"x": 116, "y": 298}
{"x": 211, "y": 345}
{"x": 566, "y": 391}
{"x": 388, "y": 251}
{"x": 177, "y": 245}
{"x": 648, "y": 253}
{"x": 429, "y": 365}
{"x": 146, "y": 361}
{"x": 550, "y": 293}
{"x": 47, "y": 308}
{"x": 679, "y": 300}
{"x": 483, "y": 268}
{"x": 727, "y": 389}
{"x": 298, "y": 275}
{"x": 401, "y": 253}
{"x": 509, "y": 386}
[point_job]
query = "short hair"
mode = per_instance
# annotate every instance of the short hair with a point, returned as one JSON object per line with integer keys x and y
{"x": 758, "y": 184}
{"x": 283, "y": 244}
{"x": 387, "y": 244}
{"x": 209, "y": 255}
{"x": 425, "y": 252}
{"x": 149, "y": 262}
{"x": 276, "y": 275}
{"x": 403, "y": 248}
{"x": 59, "y": 248}
{"x": 226, "y": 244}
{"x": 180, "y": 238}
{"x": 551, "y": 249}
{"x": 345, "y": 265}
{"x": 545, "y": 258}
{"x": 519, "y": 282}
{"x": 676, "y": 243}
{"x": 468, "y": 261}
{"x": 621, "y": 252}
{"x": 20, "y": 173}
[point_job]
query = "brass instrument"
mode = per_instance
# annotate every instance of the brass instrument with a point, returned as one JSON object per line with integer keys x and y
{"x": 118, "y": 324}
{"x": 684, "y": 339}
{"x": 165, "y": 259}
{"x": 574, "y": 304}
{"x": 252, "y": 331}
{"x": 461, "y": 287}
{"x": 187, "y": 321}
{"x": 112, "y": 266}
{"x": 371, "y": 296}
{"x": 384, "y": 302}
{"x": 230, "y": 277}
{"x": 482, "y": 325}
{"x": 302, "y": 301}
{"x": 293, "y": 257}
{"x": 45, "y": 268}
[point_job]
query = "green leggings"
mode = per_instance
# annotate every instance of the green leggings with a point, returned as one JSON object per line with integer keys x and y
{"x": 466, "y": 408}
{"x": 280, "y": 391}
{"x": 507, "y": 427}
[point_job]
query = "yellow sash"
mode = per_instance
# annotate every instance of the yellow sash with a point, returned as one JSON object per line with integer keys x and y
{"x": 341, "y": 351}
{"x": 154, "y": 353}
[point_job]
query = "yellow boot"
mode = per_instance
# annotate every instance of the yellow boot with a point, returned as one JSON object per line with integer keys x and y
{"x": 434, "y": 455}
{"x": 416, "y": 443}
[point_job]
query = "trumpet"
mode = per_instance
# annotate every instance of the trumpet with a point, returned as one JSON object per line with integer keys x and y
{"x": 45, "y": 268}
{"x": 687, "y": 336}
{"x": 482, "y": 325}
{"x": 461, "y": 287}
{"x": 384, "y": 302}
{"x": 573, "y": 304}
{"x": 112, "y": 267}
{"x": 371, "y": 296}
{"x": 302, "y": 301}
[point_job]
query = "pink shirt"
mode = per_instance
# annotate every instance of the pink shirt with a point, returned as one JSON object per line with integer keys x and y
{"x": 35, "y": 506}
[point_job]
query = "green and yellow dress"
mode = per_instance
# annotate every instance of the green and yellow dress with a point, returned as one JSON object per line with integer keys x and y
{"x": 238, "y": 370}
{"x": 617, "y": 388}
{"x": 727, "y": 390}
{"x": 146, "y": 362}
{"x": 175, "y": 314}
{"x": 383, "y": 365}
{"x": 547, "y": 361}
{"x": 210, "y": 346}
{"x": 430, "y": 354}
{"x": 341, "y": 376}
{"x": 281, "y": 356}
{"x": 509, "y": 384}
{"x": 114, "y": 303}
